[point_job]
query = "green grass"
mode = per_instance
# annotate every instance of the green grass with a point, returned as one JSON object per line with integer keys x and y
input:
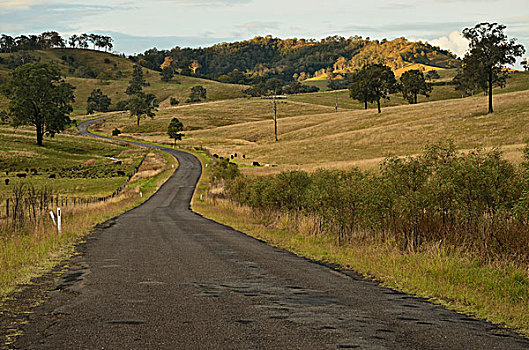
{"x": 60, "y": 156}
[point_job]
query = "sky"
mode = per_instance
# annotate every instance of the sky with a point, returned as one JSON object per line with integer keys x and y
{"x": 137, "y": 25}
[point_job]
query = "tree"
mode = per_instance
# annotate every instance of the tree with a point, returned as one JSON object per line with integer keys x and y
{"x": 73, "y": 40}
{"x": 525, "y": 64}
{"x": 373, "y": 83}
{"x": 7, "y": 43}
{"x": 142, "y": 105}
{"x": 83, "y": 41}
{"x": 137, "y": 82}
{"x": 359, "y": 87}
{"x": 167, "y": 74}
{"x": 194, "y": 66}
{"x": 382, "y": 82}
{"x": 174, "y": 128}
{"x": 413, "y": 84}
{"x": 490, "y": 50}
{"x": 97, "y": 101}
{"x": 39, "y": 96}
{"x": 197, "y": 94}
{"x": 432, "y": 75}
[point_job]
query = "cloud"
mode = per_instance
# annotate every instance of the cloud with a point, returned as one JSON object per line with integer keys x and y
{"x": 8, "y": 6}
{"x": 391, "y": 6}
{"x": 259, "y": 27}
{"x": 455, "y": 42}
{"x": 46, "y": 16}
{"x": 202, "y": 2}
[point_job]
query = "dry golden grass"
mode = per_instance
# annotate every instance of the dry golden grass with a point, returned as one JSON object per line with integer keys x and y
{"x": 211, "y": 115}
{"x": 350, "y": 138}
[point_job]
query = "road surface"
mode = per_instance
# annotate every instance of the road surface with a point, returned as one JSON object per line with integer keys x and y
{"x": 163, "y": 277}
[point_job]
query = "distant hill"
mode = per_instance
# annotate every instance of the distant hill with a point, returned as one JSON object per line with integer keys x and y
{"x": 398, "y": 54}
{"x": 90, "y": 69}
{"x": 297, "y": 59}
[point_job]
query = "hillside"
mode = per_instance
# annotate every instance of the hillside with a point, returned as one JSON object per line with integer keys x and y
{"x": 89, "y": 69}
{"x": 312, "y": 135}
{"x": 297, "y": 59}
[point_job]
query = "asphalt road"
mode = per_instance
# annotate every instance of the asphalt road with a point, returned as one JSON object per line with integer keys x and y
{"x": 163, "y": 277}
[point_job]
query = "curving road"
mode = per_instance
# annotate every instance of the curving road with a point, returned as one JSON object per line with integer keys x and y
{"x": 163, "y": 277}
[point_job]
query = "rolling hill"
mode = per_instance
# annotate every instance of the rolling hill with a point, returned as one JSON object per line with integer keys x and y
{"x": 89, "y": 69}
{"x": 312, "y": 135}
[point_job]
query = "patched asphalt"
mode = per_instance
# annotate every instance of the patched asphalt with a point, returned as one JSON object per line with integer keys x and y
{"x": 163, "y": 277}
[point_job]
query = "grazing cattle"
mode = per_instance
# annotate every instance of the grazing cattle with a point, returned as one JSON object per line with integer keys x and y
{"x": 52, "y": 176}
{"x": 22, "y": 175}
{"x": 256, "y": 164}
{"x": 6, "y": 181}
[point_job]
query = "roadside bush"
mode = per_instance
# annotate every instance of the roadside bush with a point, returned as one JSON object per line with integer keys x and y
{"x": 477, "y": 201}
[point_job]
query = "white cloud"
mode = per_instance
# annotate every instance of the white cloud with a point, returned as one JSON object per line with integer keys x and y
{"x": 455, "y": 42}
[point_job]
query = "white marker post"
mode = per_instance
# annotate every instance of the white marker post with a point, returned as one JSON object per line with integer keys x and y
{"x": 53, "y": 218}
{"x": 59, "y": 220}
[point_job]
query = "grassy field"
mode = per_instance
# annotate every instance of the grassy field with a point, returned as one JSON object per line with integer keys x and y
{"x": 349, "y": 138}
{"x": 82, "y": 166}
{"x": 119, "y": 70}
{"x": 211, "y": 115}
{"x": 518, "y": 81}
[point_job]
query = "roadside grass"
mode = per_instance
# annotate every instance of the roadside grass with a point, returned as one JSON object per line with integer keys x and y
{"x": 33, "y": 252}
{"x": 497, "y": 292}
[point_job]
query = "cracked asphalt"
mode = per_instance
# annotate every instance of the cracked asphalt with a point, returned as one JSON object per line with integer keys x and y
{"x": 163, "y": 277}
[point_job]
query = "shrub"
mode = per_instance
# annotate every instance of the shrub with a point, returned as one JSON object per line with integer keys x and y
{"x": 476, "y": 200}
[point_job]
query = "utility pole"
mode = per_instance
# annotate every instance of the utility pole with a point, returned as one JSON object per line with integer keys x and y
{"x": 275, "y": 115}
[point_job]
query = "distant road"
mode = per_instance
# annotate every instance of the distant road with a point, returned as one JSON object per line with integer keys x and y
{"x": 163, "y": 277}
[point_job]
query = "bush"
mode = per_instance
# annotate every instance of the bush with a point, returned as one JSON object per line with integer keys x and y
{"x": 225, "y": 170}
{"x": 116, "y": 132}
{"x": 173, "y": 101}
{"x": 476, "y": 200}
{"x": 122, "y": 105}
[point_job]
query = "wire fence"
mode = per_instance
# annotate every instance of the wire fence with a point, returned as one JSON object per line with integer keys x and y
{"x": 27, "y": 205}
